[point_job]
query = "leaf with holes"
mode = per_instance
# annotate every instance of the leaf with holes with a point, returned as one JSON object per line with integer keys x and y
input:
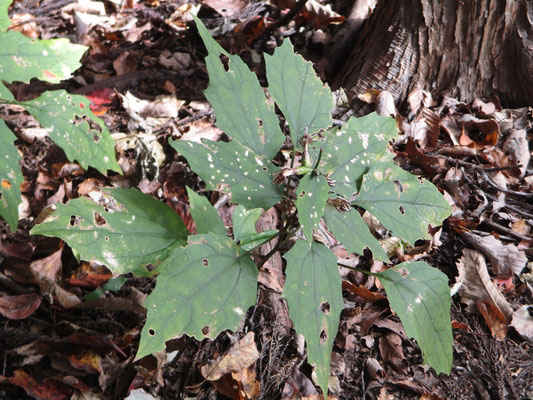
{"x": 420, "y": 295}
{"x": 66, "y": 117}
{"x": 313, "y": 290}
{"x": 202, "y": 290}
{"x": 240, "y": 105}
{"x": 10, "y": 177}
{"x": 402, "y": 203}
{"x": 249, "y": 175}
{"x": 303, "y": 99}
{"x": 311, "y": 197}
{"x": 350, "y": 151}
{"x": 22, "y": 58}
{"x": 350, "y": 230}
{"x": 244, "y": 222}
{"x": 205, "y": 216}
{"x": 130, "y": 230}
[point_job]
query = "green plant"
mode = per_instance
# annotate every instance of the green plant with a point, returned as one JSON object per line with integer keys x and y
{"x": 206, "y": 282}
{"x": 65, "y": 116}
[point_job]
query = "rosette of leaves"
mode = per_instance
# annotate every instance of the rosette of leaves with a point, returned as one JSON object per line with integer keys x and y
{"x": 206, "y": 284}
{"x": 66, "y": 117}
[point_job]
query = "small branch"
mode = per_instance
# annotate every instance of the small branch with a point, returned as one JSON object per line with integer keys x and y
{"x": 287, "y": 17}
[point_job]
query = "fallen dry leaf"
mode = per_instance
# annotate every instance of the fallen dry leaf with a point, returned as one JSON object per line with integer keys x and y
{"x": 243, "y": 354}
{"x": 523, "y": 321}
{"x": 494, "y": 319}
{"x": 19, "y": 306}
{"x": 390, "y": 347}
{"x": 476, "y": 284}
{"x": 505, "y": 259}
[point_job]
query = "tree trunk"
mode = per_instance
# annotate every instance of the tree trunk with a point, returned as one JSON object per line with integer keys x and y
{"x": 465, "y": 49}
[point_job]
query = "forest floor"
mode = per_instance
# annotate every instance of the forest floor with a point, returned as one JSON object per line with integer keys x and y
{"x": 145, "y": 75}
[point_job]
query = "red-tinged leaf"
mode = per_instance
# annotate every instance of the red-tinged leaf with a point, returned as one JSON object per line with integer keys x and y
{"x": 362, "y": 291}
{"x": 46, "y": 270}
{"x": 90, "y": 275}
{"x": 100, "y": 100}
{"x": 101, "y": 344}
{"x": 47, "y": 389}
{"x": 20, "y": 306}
{"x": 461, "y": 325}
{"x": 428, "y": 164}
{"x": 494, "y": 319}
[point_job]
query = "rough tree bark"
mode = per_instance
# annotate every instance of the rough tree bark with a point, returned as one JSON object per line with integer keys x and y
{"x": 465, "y": 49}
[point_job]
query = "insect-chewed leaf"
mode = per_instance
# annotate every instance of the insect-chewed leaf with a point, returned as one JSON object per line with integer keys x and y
{"x": 139, "y": 232}
{"x": 421, "y": 298}
{"x": 249, "y": 175}
{"x": 202, "y": 290}
{"x": 350, "y": 230}
{"x": 62, "y": 114}
{"x": 22, "y": 58}
{"x": 10, "y": 177}
{"x": 349, "y": 152}
{"x": 313, "y": 290}
{"x": 205, "y": 216}
{"x": 244, "y": 222}
{"x": 401, "y": 202}
{"x": 311, "y": 197}
{"x": 304, "y": 100}
{"x": 241, "y": 107}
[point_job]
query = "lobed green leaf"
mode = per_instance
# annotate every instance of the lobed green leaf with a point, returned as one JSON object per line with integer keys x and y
{"x": 313, "y": 290}
{"x": 350, "y": 230}
{"x": 202, "y": 290}
{"x": 205, "y": 216}
{"x": 141, "y": 230}
{"x": 402, "y": 203}
{"x": 244, "y": 222}
{"x": 303, "y": 99}
{"x": 420, "y": 295}
{"x": 249, "y": 175}
{"x": 10, "y": 177}
{"x": 240, "y": 105}
{"x": 311, "y": 197}
{"x": 349, "y": 152}
{"x": 65, "y": 117}
{"x": 22, "y": 58}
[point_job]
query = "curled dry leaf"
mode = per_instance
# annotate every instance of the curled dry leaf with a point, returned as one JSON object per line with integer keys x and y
{"x": 477, "y": 285}
{"x": 390, "y": 347}
{"x": 504, "y": 258}
{"x": 494, "y": 318}
{"x": 523, "y": 321}
{"x": 517, "y": 148}
{"x": 19, "y": 306}
{"x": 243, "y": 354}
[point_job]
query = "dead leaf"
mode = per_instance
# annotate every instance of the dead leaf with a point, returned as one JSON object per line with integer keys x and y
{"x": 476, "y": 284}
{"x": 374, "y": 369}
{"x": 226, "y": 8}
{"x": 362, "y": 291}
{"x": 517, "y": 148}
{"x": 523, "y": 321}
{"x": 46, "y": 389}
{"x": 479, "y": 133}
{"x": 494, "y": 319}
{"x": 124, "y": 63}
{"x": 505, "y": 259}
{"x": 19, "y": 306}
{"x": 90, "y": 275}
{"x": 243, "y": 354}
{"x": 390, "y": 347}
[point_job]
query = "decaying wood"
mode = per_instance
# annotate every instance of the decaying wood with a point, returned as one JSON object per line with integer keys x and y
{"x": 463, "y": 49}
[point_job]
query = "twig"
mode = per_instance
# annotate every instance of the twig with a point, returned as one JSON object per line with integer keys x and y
{"x": 287, "y": 17}
{"x": 491, "y": 197}
{"x": 505, "y": 230}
